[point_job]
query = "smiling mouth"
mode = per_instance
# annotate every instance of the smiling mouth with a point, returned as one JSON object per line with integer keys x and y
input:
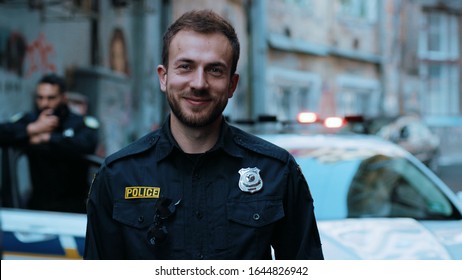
{"x": 197, "y": 101}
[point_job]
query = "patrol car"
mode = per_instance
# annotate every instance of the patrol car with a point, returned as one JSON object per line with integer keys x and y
{"x": 372, "y": 198}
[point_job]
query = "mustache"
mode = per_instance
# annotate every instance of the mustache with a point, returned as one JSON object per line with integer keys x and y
{"x": 196, "y": 93}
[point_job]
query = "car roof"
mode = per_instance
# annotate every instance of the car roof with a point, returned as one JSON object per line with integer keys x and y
{"x": 371, "y": 143}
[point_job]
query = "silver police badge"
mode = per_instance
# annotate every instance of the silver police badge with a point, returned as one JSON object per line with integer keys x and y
{"x": 250, "y": 180}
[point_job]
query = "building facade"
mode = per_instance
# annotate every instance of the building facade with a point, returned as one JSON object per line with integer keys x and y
{"x": 334, "y": 57}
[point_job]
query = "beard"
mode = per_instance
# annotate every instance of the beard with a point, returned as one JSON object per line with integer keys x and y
{"x": 196, "y": 118}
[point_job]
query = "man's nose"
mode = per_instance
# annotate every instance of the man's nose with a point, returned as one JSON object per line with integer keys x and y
{"x": 199, "y": 79}
{"x": 44, "y": 102}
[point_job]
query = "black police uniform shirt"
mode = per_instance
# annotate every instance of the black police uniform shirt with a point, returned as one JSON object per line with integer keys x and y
{"x": 210, "y": 216}
{"x": 58, "y": 173}
{"x": 11, "y": 132}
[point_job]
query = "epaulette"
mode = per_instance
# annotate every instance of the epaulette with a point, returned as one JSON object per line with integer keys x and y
{"x": 259, "y": 145}
{"x": 16, "y": 117}
{"x": 91, "y": 122}
{"x": 139, "y": 146}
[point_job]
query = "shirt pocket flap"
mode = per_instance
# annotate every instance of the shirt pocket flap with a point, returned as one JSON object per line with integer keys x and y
{"x": 255, "y": 213}
{"x": 138, "y": 214}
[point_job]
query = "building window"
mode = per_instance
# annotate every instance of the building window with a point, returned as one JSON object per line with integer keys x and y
{"x": 292, "y": 92}
{"x": 299, "y": 3}
{"x": 355, "y": 102}
{"x": 440, "y": 87}
{"x": 357, "y": 96}
{"x": 439, "y": 64}
{"x": 439, "y": 39}
{"x": 292, "y": 9}
{"x": 365, "y": 10}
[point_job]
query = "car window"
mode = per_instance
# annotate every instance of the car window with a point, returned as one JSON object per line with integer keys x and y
{"x": 385, "y": 187}
{"x": 1, "y": 166}
{"x": 373, "y": 186}
{"x": 16, "y": 185}
{"x": 329, "y": 180}
{"x": 24, "y": 182}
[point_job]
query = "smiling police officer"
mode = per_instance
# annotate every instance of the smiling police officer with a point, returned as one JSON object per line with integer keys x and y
{"x": 199, "y": 188}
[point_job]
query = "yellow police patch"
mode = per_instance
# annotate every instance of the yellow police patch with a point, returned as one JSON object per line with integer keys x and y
{"x": 133, "y": 192}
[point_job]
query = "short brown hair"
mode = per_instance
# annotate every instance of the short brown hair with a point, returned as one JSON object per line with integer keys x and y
{"x": 202, "y": 21}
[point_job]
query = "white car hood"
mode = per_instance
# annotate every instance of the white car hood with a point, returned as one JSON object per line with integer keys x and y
{"x": 391, "y": 238}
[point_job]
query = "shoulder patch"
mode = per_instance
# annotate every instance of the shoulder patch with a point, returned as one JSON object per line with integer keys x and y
{"x": 16, "y": 117}
{"x": 91, "y": 122}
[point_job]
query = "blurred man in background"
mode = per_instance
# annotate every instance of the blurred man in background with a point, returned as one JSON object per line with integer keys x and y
{"x": 55, "y": 140}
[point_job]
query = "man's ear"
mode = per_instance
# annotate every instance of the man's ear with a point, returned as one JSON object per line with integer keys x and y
{"x": 233, "y": 85}
{"x": 162, "y": 75}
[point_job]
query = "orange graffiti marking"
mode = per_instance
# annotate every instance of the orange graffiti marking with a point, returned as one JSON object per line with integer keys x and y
{"x": 37, "y": 55}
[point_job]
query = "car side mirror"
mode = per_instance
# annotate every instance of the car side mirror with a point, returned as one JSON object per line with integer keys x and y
{"x": 404, "y": 133}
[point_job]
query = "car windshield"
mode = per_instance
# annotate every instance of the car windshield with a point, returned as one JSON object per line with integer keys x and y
{"x": 371, "y": 186}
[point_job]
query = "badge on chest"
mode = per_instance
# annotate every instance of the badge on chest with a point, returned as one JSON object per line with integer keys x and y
{"x": 250, "y": 180}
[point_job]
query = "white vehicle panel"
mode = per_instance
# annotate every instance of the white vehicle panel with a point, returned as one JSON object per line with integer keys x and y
{"x": 41, "y": 234}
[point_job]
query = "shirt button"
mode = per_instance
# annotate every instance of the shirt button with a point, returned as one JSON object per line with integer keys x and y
{"x": 256, "y": 216}
{"x": 140, "y": 219}
{"x": 199, "y": 215}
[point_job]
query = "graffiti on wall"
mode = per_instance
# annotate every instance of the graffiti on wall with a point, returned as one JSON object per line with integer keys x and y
{"x": 38, "y": 53}
{"x": 23, "y": 59}
{"x": 20, "y": 60}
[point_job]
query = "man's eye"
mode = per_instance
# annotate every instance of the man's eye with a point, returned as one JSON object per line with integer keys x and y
{"x": 184, "y": 66}
{"x": 216, "y": 70}
{"x": 46, "y": 97}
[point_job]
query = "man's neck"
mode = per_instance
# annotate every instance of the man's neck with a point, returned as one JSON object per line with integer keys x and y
{"x": 195, "y": 140}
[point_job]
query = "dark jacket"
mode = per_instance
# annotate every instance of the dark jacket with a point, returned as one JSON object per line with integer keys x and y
{"x": 209, "y": 216}
{"x": 58, "y": 172}
{"x": 11, "y": 133}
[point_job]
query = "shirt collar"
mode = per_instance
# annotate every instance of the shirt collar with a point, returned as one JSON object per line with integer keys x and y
{"x": 167, "y": 143}
{"x": 226, "y": 141}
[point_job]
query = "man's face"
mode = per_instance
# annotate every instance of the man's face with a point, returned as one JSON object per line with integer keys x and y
{"x": 198, "y": 82}
{"x": 48, "y": 97}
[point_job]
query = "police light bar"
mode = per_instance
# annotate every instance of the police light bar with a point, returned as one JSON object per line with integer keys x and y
{"x": 307, "y": 117}
{"x": 354, "y": 119}
{"x": 334, "y": 122}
